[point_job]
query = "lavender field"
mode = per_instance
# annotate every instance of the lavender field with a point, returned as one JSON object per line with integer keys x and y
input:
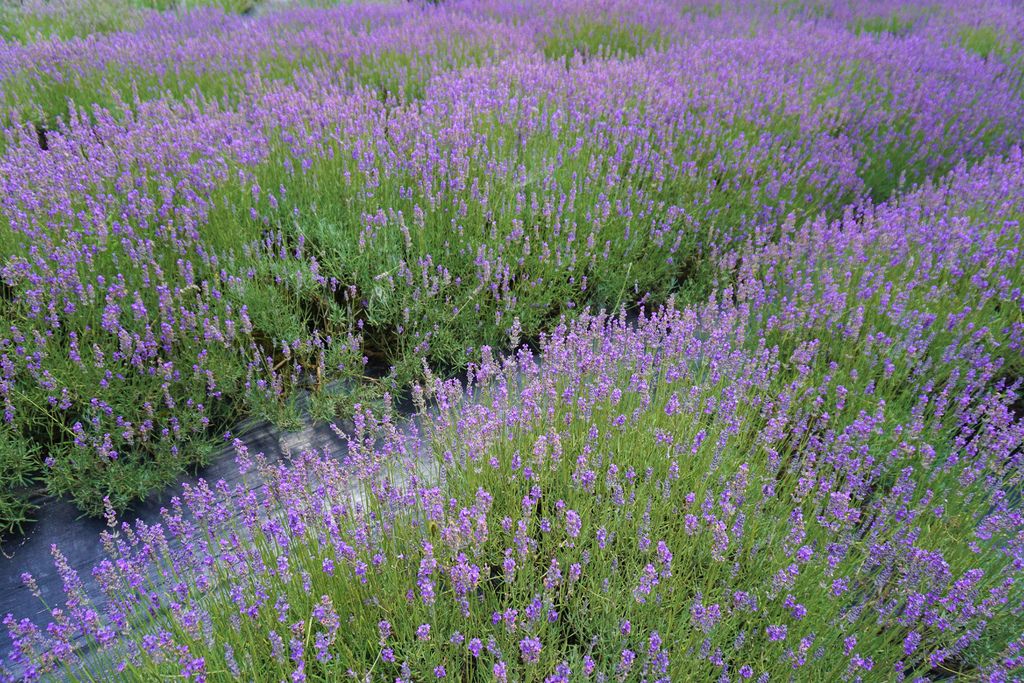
{"x": 673, "y": 340}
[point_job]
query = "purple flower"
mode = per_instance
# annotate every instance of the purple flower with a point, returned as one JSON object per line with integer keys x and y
{"x": 653, "y": 643}
{"x": 573, "y": 523}
{"x": 911, "y": 642}
{"x": 626, "y": 661}
{"x": 529, "y": 649}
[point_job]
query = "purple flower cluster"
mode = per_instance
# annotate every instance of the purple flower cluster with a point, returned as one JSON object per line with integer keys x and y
{"x": 808, "y": 468}
{"x": 842, "y": 438}
{"x": 171, "y": 263}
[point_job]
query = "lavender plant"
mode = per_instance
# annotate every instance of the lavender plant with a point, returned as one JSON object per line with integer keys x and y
{"x": 27, "y": 21}
{"x": 388, "y": 191}
{"x": 738, "y": 490}
{"x": 219, "y": 56}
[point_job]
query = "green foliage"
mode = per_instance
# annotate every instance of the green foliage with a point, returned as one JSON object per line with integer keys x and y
{"x": 707, "y": 8}
{"x": 810, "y": 9}
{"x": 398, "y": 73}
{"x": 595, "y": 38}
{"x": 32, "y": 20}
{"x": 404, "y": 74}
{"x": 18, "y": 470}
{"x": 888, "y": 137}
{"x": 893, "y": 24}
{"x": 987, "y": 41}
{"x": 228, "y": 6}
{"x": 67, "y": 20}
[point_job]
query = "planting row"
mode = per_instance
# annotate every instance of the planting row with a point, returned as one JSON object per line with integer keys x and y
{"x": 172, "y": 265}
{"x": 397, "y": 46}
{"x": 815, "y": 474}
{"x": 26, "y": 21}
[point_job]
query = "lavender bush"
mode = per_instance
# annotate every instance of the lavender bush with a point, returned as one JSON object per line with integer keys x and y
{"x": 794, "y": 451}
{"x": 748, "y": 489}
{"x": 174, "y": 263}
{"x": 27, "y": 21}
